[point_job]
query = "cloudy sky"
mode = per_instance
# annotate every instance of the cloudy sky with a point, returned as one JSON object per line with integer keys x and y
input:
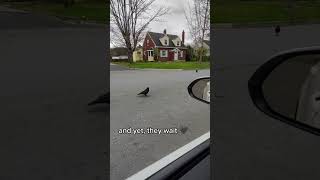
{"x": 174, "y": 22}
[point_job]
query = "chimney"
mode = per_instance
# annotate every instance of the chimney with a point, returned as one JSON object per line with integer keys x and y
{"x": 164, "y": 31}
{"x": 183, "y": 37}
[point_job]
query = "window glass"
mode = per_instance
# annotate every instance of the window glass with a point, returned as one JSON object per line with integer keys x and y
{"x": 164, "y": 53}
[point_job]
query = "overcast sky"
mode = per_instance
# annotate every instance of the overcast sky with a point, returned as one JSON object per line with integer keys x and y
{"x": 174, "y": 22}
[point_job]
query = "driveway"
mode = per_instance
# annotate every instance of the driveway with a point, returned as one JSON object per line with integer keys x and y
{"x": 49, "y": 72}
{"x": 167, "y": 106}
{"x": 248, "y": 144}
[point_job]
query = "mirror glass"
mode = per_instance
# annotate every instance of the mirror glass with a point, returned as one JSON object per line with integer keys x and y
{"x": 292, "y": 89}
{"x": 201, "y": 89}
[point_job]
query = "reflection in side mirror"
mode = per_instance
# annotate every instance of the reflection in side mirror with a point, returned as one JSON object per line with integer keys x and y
{"x": 200, "y": 89}
{"x": 288, "y": 88}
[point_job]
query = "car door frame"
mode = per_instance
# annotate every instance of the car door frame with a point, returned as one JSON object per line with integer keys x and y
{"x": 256, "y": 81}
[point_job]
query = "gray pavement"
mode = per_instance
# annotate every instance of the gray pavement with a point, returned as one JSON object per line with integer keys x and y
{"x": 167, "y": 106}
{"x": 49, "y": 72}
{"x": 247, "y": 143}
{"x": 115, "y": 67}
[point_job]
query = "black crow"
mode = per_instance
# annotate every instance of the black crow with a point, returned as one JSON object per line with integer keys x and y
{"x": 103, "y": 99}
{"x": 144, "y": 92}
{"x": 277, "y": 30}
{"x": 196, "y": 70}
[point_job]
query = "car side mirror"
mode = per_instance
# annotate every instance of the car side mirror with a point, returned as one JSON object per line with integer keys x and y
{"x": 287, "y": 88}
{"x": 200, "y": 89}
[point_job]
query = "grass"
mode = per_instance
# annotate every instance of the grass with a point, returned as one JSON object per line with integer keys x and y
{"x": 91, "y": 10}
{"x": 236, "y": 11}
{"x": 166, "y": 65}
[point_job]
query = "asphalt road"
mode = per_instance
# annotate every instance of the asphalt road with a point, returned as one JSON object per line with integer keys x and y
{"x": 167, "y": 106}
{"x": 49, "y": 72}
{"x": 248, "y": 145}
{"x": 115, "y": 67}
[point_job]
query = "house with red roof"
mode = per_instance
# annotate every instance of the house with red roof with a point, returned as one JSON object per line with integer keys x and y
{"x": 164, "y": 47}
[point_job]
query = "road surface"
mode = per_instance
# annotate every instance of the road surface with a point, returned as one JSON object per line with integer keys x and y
{"x": 167, "y": 106}
{"x": 115, "y": 67}
{"x": 49, "y": 72}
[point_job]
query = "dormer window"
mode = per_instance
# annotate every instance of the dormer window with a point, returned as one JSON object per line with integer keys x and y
{"x": 166, "y": 42}
{"x": 147, "y": 41}
{"x": 178, "y": 43}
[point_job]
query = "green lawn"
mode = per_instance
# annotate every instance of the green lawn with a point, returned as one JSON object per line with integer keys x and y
{"x": 167, "y": 65}
{"x": 92, "y": 10}
{"x": 236, "y": 11}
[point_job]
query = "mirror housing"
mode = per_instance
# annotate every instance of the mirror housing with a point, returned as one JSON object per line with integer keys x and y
{"x": 200, "y": 89}
{"x": 278, "y": 88}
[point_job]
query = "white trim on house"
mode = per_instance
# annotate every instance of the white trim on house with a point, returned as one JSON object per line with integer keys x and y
{"x": 150, "y": 52}
{"x": 176, "y": 55}
{"x": 164, "y": 39}
{"x": 176, "y": 40}
{"x": 151, "y": 39}
{"x": 150, "y": 55}
{"x": 171, "y": 47}
{"x": 166, "y": 53}
{"x": 181, "y": 53}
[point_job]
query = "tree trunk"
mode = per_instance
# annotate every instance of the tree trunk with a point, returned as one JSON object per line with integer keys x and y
{"x": 201, "y": 54}
{"x": 130, "y": 56}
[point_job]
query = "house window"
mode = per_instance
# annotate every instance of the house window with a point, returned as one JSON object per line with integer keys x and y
{"x": 165, "y": 42}
{"x": 150, "y": 53}
{"x": 178, "y": 43}
{"x": 147, "y": 41}
{"x": 181, "y": 53}
{"x": 163, "y": 53}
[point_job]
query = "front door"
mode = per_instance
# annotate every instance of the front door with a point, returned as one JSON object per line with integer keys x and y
{"x": 150, "y": 55}
{"x": 176, "y": 53}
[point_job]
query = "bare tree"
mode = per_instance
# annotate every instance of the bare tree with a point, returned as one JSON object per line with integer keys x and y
{"x": 198, "y": 20}
{"x": 129, "y": 20}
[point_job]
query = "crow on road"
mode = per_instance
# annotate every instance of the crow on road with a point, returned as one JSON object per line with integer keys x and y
{"x": 196, "y": 70}
{"x": 144, "y": 92}
{"x": 103, "y": 99}
{"x": 277, "y": 30}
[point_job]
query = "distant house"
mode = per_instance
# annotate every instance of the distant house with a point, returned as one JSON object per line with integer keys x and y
{"x": 206, "y": 45}
{"x": 138, "y": 54}
{"x": 163, "y": 47}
